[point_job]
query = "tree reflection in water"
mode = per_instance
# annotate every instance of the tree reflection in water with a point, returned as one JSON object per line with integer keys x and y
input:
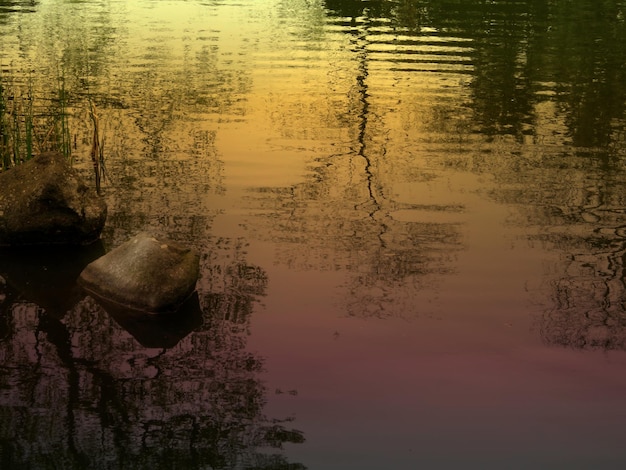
{"x": 78, "y": 390}
{"x": 535, "y": 105}
{"x": 17, "y": 6}
{"x": 544, "y": 118}
{"x": 559, "y": 94}
{"x": 345, "y": 216}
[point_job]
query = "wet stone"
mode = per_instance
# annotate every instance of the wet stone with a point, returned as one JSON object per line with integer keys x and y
{"x": 144, "y": 274}
{"x": 45, "y": 202}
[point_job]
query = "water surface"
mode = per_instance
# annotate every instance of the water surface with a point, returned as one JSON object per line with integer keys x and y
{"x": 410, "y": 216}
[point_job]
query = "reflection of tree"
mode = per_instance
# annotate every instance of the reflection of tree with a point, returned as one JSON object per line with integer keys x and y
{"x": 330, "y": 222}
{"x": 524, "y": 54}
{"x": 534, "y": 74}
{"x": 572, "y": 197}
{"x": 159, "y": 195}
{"x": 81, "y": 392}
{"x": 590, "y": 68}
{"x": 17, "y": 6}
{"x": 502, "y": 92}
{"x": 355, "y": 8}
{"x": 588, "y": 309}
{"x": 587, "y": 287}
{"x": 231, "y": 288}
{"x": 523, "y": 48}
{"x": 574, "y": 206}
{"x": 344, "y": 215}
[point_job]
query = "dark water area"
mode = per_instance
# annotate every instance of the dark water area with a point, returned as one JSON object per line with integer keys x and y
{"x": 411, "y": 218}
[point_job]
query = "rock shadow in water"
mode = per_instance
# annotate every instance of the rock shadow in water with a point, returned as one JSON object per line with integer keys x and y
{"x": 162, "y": 330}
{"x": 47, "y": 275}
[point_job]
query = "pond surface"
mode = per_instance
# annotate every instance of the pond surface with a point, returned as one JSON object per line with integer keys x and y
{"x": 412, "y": 225}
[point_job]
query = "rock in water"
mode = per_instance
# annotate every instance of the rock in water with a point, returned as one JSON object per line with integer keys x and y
{"x": 144, "y": 274}
{"x": 44, "y": 201}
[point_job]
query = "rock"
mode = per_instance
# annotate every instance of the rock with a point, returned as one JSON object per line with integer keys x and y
{"x": 143, "y": 274}
{"x": 44, "y": 202}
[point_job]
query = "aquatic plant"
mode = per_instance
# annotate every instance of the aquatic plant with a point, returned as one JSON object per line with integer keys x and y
{"x": 28, "y": 127}
{"x": 16, "y": 128}
{"x": 24, "y": 132}
{"x": 97, "y": 147}
{"x": 60, "y": 118}
{"x": 4, "y": 131}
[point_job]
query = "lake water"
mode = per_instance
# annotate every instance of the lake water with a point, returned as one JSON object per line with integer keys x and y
{"x": 411, "y": 217}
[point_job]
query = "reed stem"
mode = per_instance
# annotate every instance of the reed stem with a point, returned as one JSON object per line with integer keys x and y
{"x": 97, "y": 147}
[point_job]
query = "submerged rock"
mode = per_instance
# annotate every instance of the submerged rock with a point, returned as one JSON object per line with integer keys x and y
{"x": 44, "y": 201}
{"x": 144, "y": 274}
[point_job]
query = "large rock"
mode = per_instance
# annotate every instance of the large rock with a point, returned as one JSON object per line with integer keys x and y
{"x": 144, "y": 274}
{"x": 44, "y": 201}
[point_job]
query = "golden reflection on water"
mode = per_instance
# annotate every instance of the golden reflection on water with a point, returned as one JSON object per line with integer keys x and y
{"x": 391, "y": 199}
